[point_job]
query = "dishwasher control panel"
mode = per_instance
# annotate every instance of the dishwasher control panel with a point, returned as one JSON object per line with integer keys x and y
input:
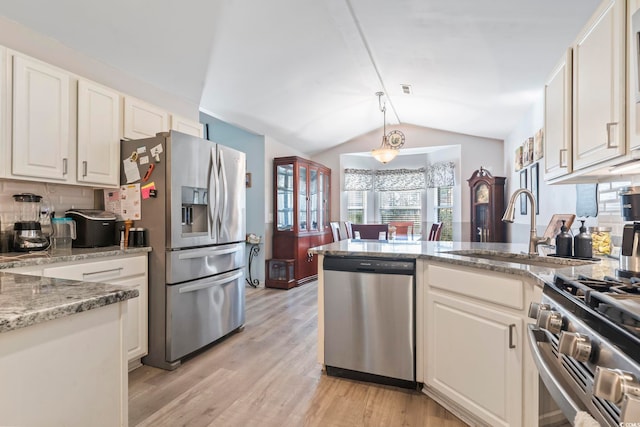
{"x": 370, "y": 265}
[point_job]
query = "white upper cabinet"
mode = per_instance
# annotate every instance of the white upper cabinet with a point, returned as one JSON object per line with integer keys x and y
{"x": 599, "y": 87}
{"x": 99, "y": 129}
{"x": 187, "y": 126}
{"x": 557, "y": 119}
{"x": 143, "y": 120}
{"x": 41, "y": 141}
{"x": 5, "y": 104}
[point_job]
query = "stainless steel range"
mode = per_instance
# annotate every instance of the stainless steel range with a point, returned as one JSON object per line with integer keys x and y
{"x": 586, "y": 345}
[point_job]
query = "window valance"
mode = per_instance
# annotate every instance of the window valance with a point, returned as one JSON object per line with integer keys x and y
{"x": 358, "y": 179}
{"x": 384, "y": 180}
{"x": 400, "y": 179}
{"x": 441, "y": 175}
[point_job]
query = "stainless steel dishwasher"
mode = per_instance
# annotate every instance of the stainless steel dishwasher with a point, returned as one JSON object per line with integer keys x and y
{"x": 369, "y": 319}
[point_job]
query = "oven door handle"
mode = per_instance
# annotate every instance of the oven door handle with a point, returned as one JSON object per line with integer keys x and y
{"x": 564, "y": 401}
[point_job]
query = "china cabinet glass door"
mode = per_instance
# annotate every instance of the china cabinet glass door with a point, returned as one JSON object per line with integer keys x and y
{"x": 302, "y": 199}
{"x": 313, "y": 198}
{"x": 284, "y": 198}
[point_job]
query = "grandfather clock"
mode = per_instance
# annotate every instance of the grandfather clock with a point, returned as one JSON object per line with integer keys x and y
{"x": 487, "y": 206}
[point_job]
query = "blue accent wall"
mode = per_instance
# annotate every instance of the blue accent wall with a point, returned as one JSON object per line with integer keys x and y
{"x": 253, "y": 146}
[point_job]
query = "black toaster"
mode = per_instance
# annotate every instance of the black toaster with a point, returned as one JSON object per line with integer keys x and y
{"x": 94, "y": 228}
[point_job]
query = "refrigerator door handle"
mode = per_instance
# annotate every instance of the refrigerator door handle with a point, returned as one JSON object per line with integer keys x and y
{"x": 223, "y": 190}
{"x": 213, "y": 194}
{"x": 199, "y": 286}
{"x": 206, "y": 253}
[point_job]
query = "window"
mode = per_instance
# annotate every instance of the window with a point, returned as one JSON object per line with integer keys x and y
{"x": 444, "y": 211}
{"x": 356, "y": 206}
{"x": 401, "y": 206}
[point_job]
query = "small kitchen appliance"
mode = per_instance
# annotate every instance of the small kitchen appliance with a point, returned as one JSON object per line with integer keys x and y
{"x": 630, "y": 252}
{"x": 94, "y": 228}
{"x": 64, "y": 232}
{"x": 27, "y": 231}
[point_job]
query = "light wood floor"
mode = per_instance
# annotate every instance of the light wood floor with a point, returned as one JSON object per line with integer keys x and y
{"x": 267, "y": 375}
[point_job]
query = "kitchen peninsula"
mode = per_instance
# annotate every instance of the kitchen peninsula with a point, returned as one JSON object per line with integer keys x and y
{"x": 471, "y": 301}
{"x": 63, "y": 346}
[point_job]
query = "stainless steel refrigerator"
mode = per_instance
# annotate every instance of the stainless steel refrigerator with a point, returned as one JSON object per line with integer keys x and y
{"x": 195, "y": 221}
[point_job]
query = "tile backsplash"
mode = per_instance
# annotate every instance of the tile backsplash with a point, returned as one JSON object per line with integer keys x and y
{"x": 56, "y": 197}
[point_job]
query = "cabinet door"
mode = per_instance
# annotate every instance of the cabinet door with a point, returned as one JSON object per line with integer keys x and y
{"x": 5, "y": 130}
{"x": 325, "y": 191}
{"x": 98, "y": 134}
{"x": 142, "y": 120}
{"x": 599, "y": 88}
{"x": 187, "y": 126}
{"x": 314, "y": 199}
{"x": 136, "y": 324}
{"x": 41, "y": 143}
{"x": 303, "y": 199}
{"x": 557, "y": 119}
{"x": 474, "y": 357}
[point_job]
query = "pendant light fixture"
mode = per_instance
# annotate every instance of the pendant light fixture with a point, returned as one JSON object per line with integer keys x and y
{"x": 391, "y": 143}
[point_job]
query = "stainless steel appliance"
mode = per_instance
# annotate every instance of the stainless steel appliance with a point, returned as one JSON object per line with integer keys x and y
{"x": 586, "y": 346}
{"x": 369, "y": 316}
{"x": 94, "y": 228}
{"x": 27, "y": 230}
{"x": 630, "y": 250}
{"x": 195, "y": 222}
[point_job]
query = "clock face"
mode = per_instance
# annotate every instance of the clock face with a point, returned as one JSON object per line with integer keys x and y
{"x": 395, "y": 139}
{"x": 482, "y": 194}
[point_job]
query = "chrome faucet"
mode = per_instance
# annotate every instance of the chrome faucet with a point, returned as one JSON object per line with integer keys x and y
{"x": 510, "y": 214}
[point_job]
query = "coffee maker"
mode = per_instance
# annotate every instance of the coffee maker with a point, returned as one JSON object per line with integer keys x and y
{"x": 27, "y": 231}
{"x": 630, "y": 250}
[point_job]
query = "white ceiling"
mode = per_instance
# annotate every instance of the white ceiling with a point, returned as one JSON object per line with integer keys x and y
{"x": 305, "y": 72}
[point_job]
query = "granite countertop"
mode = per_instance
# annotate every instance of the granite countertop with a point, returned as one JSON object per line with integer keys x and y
{"x": 441, "y": 252}
{"x": 18, "y": 259}
{"x": 28, "y": 300}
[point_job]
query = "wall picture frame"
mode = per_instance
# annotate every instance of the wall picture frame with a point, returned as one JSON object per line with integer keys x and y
{"x": 523, "y": 198}
{"x": 518, "y": 159}
{"x": 535, "y": 170}
{"x": 538, "y": 145}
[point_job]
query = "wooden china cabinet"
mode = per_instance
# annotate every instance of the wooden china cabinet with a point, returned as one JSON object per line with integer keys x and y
{"x": 301, "y": 194}
{"x": 487, "y": 206}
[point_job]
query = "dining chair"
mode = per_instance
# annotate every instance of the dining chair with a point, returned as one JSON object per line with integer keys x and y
{"x": 347, "y": 226}
{"x": 335, "y": 230}
{"x": 436, "y": 229}
{"x": 404, "y": 229}
{"x": 370, "y": 231}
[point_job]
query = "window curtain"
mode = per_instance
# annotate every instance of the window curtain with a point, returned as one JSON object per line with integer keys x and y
{"x": 441, "y": 175}
{"x": 400, "y": 179}
{"x": 358, "y": 180}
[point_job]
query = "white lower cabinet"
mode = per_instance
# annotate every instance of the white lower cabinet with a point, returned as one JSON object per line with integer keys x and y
{"x": 129, "y": 271}
{"x": 475, "y": 355}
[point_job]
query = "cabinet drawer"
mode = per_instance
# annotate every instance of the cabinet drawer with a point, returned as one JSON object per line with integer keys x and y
{"x": 483, "y": 286}
{"x": 100, "y": 271}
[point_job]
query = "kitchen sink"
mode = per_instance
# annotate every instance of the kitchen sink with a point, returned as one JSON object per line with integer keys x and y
{"x": 535, "y": 260}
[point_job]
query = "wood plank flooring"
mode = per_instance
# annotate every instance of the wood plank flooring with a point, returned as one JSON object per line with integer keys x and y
{"x": 267, "y": 375}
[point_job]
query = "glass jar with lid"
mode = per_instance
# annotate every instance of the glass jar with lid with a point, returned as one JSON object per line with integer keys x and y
{"x": 601, "y": 237}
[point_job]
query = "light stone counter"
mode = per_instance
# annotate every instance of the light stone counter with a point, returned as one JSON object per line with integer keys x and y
{"x": 28, "y": 300}
{"x": 441, "y": 252}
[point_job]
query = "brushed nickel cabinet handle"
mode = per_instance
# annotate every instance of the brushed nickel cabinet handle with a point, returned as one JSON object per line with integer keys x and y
{"x": 609, "y": 126}
{"x": 64, "y": 166}
{"x": 512, "y": 327}
{"x": 563, "y": 156}
{"x": 84, "y": 168}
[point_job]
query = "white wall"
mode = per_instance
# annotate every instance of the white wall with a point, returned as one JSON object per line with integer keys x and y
{"x": 475, "y": 152}
{"x": 273, "y": 149}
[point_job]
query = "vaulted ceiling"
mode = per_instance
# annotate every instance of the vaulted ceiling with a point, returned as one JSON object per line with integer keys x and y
{"x": 305, "y": 72}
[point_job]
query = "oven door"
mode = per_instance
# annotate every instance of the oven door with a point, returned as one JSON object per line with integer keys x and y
{"x": 557, "y": 403}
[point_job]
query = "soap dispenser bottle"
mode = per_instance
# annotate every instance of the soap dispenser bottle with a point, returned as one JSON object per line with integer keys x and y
{"x": 564, "y": 241}
{"x": 583, "y": 244}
